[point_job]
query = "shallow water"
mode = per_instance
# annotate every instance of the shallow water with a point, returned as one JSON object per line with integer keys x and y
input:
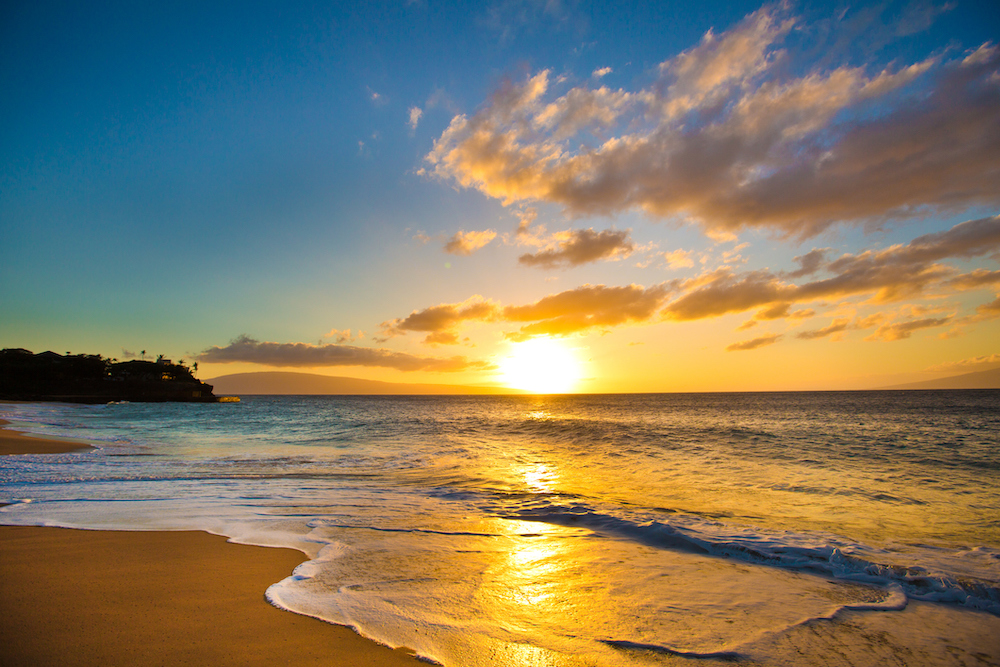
{"x": 575, "y": 530}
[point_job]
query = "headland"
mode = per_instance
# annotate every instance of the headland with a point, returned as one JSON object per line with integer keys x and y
{"x": 91, "y": 378}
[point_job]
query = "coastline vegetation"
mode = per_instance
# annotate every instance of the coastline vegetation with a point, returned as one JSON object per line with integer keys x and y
{"x": 91, "y": 378}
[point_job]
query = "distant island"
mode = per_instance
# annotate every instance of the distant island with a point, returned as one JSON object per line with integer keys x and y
{"x": 312, "y": 384}
{"x": 977, "y": 380}
{"x": 286, "y": 383}
{"x": 91, "y": 378}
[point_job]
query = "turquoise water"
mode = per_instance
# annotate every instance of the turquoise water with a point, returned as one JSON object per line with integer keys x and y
{"x": 575, "y": 530}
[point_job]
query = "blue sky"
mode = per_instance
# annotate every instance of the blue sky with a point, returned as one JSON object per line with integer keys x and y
{"x": 177, "y": 176}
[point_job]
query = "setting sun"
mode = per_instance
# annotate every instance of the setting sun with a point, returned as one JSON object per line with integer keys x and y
{"x": 541, "y": 365}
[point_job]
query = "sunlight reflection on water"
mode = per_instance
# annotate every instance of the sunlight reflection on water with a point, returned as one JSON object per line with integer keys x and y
{"x": 558, "y": 530}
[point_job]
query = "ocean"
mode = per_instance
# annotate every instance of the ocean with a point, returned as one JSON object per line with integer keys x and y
{"x": 815, "y": 528}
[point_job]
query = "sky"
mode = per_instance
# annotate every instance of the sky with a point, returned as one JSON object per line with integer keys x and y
{"x": 690, "y": 196}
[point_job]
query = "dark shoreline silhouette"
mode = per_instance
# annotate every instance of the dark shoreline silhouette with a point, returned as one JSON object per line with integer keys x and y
{"x": 90, "y": 378}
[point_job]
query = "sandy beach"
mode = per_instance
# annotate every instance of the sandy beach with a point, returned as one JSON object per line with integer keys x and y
{"x": 76, "y": 597}
{"x": 15, "y": 442}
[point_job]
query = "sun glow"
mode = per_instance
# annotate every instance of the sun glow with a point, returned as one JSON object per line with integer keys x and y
{"x": 542, "y": 366}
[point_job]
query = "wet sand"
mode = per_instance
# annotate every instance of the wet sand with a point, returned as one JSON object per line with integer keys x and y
{"x": 76, "y": 597}
{"x": 15, "y": 442}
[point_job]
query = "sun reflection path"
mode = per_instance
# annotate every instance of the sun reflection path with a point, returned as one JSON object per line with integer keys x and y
{"x": 540, "y": 584}
{"x": 540, "y": 478}
{"x": 527, "y": 585}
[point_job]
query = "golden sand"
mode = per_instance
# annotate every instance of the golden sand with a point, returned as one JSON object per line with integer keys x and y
{"x": 75, "y": 597}
{"x": 15, "y": 442}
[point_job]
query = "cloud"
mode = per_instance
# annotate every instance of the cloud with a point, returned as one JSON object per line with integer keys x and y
{"x": 247, "y": 350}
{"x": 984, "y": 55}
{"x": 991, "y": 309}
{"x": 973, "y": 238}
{"x": 601, "y": 73}
{"x": 582, "y": 108}
{"x": 907, "y": 270}
{"x": 709, "y": 71}
{"x": 975, "y": 279}
{"x": 887, "y": 275}
{"x": 441, "y": 338}
{"x": 443, "y": 318}
{"x": 780, "y": 311}
{"x": 728, "y": 137}
{"x": 885, "y": 332}
{"x": 679, "y": 259}
{"x": 572, "y": 311}
{"x": 895, "y": 273}
{"x": 585, "y": 308}
{"x": 466, "y": 243}
{"x": 754, "y": 343}
{"x": 809, "y": 263}
{"x": 727, "y": 292}
{"x": 835, "y": 327}
{"x": 341, "y": 336}
{"x": 414, "y": 117}
{"x": 982, "y": 363}
{"x": 912, "y": 270}
{"x": 576, "y": 247}
{"x": 903, "y": 330}
{"x": 525, "y": 219}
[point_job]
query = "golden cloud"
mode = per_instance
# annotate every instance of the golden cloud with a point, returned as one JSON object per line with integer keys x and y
{"x": 888, "y": 275}
{"x": 466, "y": 243}
{"x": 729, "y": 293}
{"x": 585, "y": 308}
{"x": 903, "y": 330}
{"x": 991, "y": 309}
{"x": 445, "y": 317}
{"x": 754, "y": 343}
{"x": 679, "y": 259}
{"x": 572, "y": 311}
{"x": 975, "y": 279}
{"x": 576, "y": 247}
{"x": 835, "y": 327}
{"x": 726, "y": 138}
{"x": 883, "y": 276}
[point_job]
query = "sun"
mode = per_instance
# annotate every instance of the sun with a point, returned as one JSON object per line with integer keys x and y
{"x": 542, "y": 366}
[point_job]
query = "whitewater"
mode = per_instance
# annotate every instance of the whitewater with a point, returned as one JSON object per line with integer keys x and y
{"x": 815, "y": 528}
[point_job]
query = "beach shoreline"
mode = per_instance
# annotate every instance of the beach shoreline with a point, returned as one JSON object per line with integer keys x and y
{"x": 85, "y": 597}
{"x": 14, "y": 442}
{"x": 97, "y": 597}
